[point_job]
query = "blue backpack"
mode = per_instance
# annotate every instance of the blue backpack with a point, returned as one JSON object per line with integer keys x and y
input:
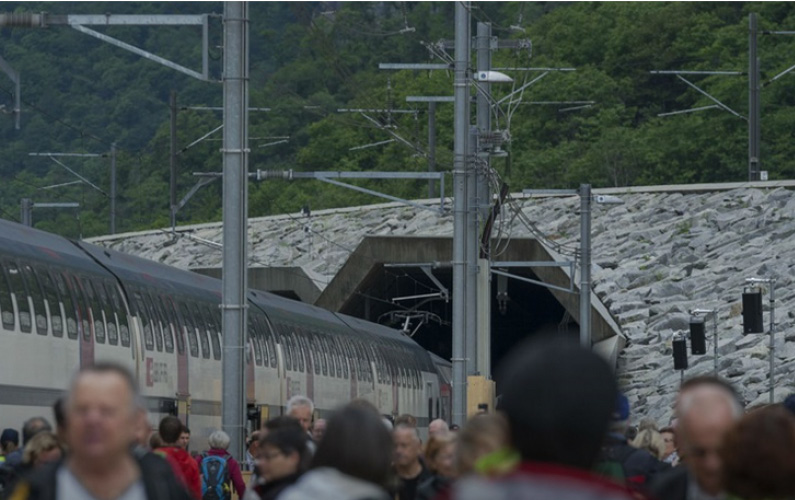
{"x": 215, "y": 477}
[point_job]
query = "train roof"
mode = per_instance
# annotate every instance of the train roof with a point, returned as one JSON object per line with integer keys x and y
{"x": 144, "y": 272}
{"x": 33, "y": 244}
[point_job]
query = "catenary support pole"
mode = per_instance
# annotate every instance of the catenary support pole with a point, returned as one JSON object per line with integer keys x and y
{"x": 461, "y": 133}
{"x": 754, "y": 103}
{"x": 26, "y": 212}
{"x": 772, "y": 284}
{"x": 113, "y": 188}
{"x": 715, "y": 340}
{"x": 172, "y": 104}
{"x": 472, "y": 254}
{"x": 432, "y": 147}
{"x": 235, "y": 189}
{"x": 585, "y": 265}
{"x": 483, "y": 45}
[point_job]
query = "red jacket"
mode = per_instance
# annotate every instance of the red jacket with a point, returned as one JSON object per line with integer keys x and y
{"x": 185, "y": 468}
{"x": 232, "y": 465}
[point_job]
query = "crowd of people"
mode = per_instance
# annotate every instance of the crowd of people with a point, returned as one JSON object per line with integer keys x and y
{"x": 562, "y": 432}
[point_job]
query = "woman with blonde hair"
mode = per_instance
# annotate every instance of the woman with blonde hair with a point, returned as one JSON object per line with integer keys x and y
{"x": 440, "y": 459}
{"x": 44, "y": 447}
{"x": 650, "y": 439}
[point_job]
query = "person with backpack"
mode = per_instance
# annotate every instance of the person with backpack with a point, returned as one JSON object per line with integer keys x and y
{"x": 219, "y": 471}
{"x": 182, "y": 463}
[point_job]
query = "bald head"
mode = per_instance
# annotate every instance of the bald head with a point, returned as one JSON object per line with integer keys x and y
{"x": 705, "y": 413}
{"x": 438, "y": 428}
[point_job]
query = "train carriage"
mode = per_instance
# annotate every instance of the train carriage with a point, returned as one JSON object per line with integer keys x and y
{"x": 67, "y": 304}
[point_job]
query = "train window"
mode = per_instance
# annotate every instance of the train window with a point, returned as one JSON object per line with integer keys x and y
{"x": 190, "y": 325}
{"x": 82, "y": 307}
{"x": 159, "y": 318}
{"x": 271, "y": 341}
{"x": 20, "y": 293}
{"x": 37, "y": 294}
{"x": 162, "y": 327}
{"x": 299, "y": 351}
{"x": 262, "y": 327}
{"x": 143, "y": 316}
{"x": 324, "y": 358}
{"x": 176, "y": 322}
{"x": 303, "y": 339}
{"x": 96, "y": 311}
{"x": 343, "y": 357}
{"x": 110, "y": 318}
{"x": 6, "y": 304}
{"x": 121, "y": 313}
{"x": 336, "y": 355}
{"x": 154, "y": 324}
{"x": 288, "y": 360}
{"x": 68, "y": 304}
{"x": 201, "y": 325}
{"x": 53, "y": 301}
{"x": 214, "y": 329}
{"x": 252, "y": 334}
{"x": 314, "y": 345}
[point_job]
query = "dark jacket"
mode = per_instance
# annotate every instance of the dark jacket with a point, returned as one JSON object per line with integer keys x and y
{"x": 432, "y": 487}
{"x": 671, "y": 484}
{"x": 156, "y": 474}
{"x": 639, "y": 465}
{"x": 272, "y": 489}
{"x": 407, "y": 488}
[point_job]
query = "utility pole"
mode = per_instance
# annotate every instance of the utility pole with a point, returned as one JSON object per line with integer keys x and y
{"x": 235, "y": 219}
{"x": 461, "y": 151}
{"x": 113, "y": 188}
{"x": 431, "y": 145}
{"x": 472, "y": 254}
{"x": 27, "y": 206}
{"x": 173, "y": 159}
{"x": 585, "y": 266}
{"x": 754, "y": 103}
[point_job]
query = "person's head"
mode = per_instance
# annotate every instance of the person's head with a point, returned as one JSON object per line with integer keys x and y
{"x": 351, "y": 424}
{"x": 252, "y": 443}
{"x": 33, "y": 426}
{"x": 184, "y": 438}
{"x": 558, "y": 399}
{"x": 301, "y": 408}
{"x": 481, "y": 435}
{"x": 318, "y": 429}
{"x": 101, "y": 414}
{"x": 619, "y": 419}
{"x": 42, "y": 448}
{"x": 282, "y": 453}
{"x": 406, "y": 420}
{"x": 170, "y": 430}
{"x": 281, "y": 422}
{"x": 440, "y": 455}
{"x": 669, "y": 440}
{"x": 438, "y": 427}
{"x": 408, "y": 446}
{"x": 9, "y": 440}
{"x": 219, "y": 440}
{"x": 651, "y": 441}
{"x": 706, "y": 409}
{"x": 155, "y": 441}
{"x": 758, "y": 455}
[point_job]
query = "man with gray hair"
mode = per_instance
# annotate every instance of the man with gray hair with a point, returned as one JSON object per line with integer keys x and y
{"x": 706, "y": 408}
{"x": 301, "y": 408}
{"x": 218, "y": 469}
{"x": 438, "y": 428}
{"x": 101, "y": 422}
{"x": 410, "y": 470}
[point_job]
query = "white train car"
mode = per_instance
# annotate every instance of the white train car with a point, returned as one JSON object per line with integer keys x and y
{"x": 67, "y": 304}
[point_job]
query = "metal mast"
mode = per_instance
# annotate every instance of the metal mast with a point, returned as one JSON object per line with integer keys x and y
{"x": 754, "y": 103}
{"x": 235, "y": 188}
{"x": 461, "y": 150}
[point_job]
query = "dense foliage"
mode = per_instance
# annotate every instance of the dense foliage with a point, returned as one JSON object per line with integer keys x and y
{"x": 310, "y": 59}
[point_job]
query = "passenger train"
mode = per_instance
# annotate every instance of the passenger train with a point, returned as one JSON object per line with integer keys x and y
{"x": 66, "y": 304}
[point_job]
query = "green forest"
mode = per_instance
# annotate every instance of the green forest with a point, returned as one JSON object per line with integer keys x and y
{"x": 598, "y": 124}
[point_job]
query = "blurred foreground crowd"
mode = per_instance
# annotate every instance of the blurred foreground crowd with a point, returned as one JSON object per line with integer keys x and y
{"x": 561, "y": 433}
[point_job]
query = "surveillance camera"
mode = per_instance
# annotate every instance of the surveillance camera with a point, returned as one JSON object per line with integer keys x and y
{"x": 608, "y": 200}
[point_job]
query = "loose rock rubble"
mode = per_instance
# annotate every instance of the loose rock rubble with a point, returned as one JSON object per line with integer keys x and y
{"x": 656, "y": 257}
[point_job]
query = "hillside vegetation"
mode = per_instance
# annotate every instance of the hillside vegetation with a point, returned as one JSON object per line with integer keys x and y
{"x": 309, "y": 59}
